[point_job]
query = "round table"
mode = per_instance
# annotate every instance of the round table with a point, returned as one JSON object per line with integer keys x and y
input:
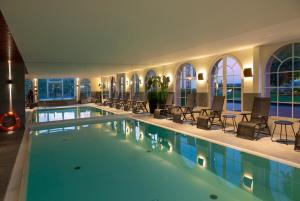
{"x": 232, "y": 117}
{"x": 283, "y": 123}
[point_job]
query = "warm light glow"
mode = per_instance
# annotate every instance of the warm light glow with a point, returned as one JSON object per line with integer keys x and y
{"x": 10, "y": 86}
{"x": 248, "y": 182}
{"x": 201, "y": 161}
{"x": 171, "y": 147}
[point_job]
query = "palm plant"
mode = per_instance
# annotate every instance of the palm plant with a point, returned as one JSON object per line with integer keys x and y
{"x": 157, "y": 89}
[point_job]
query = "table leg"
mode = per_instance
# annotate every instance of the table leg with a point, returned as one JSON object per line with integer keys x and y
{"x": 280, "y": 130}
{"x": 234, "y": 125}
{"x": 273, "y": 132}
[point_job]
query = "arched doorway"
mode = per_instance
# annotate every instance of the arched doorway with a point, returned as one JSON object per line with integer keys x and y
{"x": 135, "y": 86}
{"x": 149, "y": 74}
{"x": 185, "y": 83}
{"x": 226, "y": 81}
{"x": 112, "y": 88}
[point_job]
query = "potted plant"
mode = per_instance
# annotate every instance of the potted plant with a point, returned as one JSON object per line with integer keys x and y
{"x": 157, "y": 89}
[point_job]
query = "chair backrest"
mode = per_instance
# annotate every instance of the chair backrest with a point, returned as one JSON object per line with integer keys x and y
{"x": 218, "y": 103}
{"x": 261, "y": 107}
{"x": 190, "y": 100}
{"x": 170, "y": 99}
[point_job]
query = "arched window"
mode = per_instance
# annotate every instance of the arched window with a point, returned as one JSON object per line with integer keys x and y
{"x": 113, "y": 88}
{"x": 85, "y": 88}
{"x": 185, "y": 83}
{"x": 135, "y": 86}
{"x": 283, "y": 81}
{"x": 226, "y": 80}
{"x": 150, "y": 74}
{"x": 122, "y": 82}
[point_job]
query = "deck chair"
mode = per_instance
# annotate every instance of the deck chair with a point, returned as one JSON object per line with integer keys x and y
{"x": 258, "y": 121}
{"x": 166, "y": 109}
{"x": 141, "y": 105}
{"x": 214, "y": 114}
{"x": 185, "y": 111}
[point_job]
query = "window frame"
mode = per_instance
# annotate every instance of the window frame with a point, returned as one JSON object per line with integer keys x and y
{"x": 224, "y": 77}
{"x": 278, "y": 88}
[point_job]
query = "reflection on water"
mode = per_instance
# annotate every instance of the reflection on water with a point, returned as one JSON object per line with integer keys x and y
{"x": 46, "y": 115}
{"x": 266, "y": 179}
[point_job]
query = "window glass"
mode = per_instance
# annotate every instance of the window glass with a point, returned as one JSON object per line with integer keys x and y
{"x": 185, "y": 83}
{"x": 229, "y": 68}
{"x": 56, "y": 89}
{"x": 85, "y": 88}
{"x": 283, "y": 81}
{"x": 28, "y": 86}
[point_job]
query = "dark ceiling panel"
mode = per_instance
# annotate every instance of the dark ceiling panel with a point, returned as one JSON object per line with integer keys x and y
{"x": 8, "y": 47}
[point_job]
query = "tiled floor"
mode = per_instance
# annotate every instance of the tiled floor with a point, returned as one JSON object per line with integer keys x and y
{"x": 264, "y": 147}
{"x": 9, "y": 145}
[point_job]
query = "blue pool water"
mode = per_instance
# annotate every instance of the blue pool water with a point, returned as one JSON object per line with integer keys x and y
{"x": 58, "y": 114}
{"x": 130, "y": 160}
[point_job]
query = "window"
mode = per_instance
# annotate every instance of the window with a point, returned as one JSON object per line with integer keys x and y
{"x": 85, "y": 88}
{"x": 135, "y": 86}
{"x": 283, "y": 81}
{"x": 150, "y": 74}
{"x": 122, "y": 86}
{"x": 229, "y": 68}
{"x": 28, "y": 86}
{"x": 56, "y": 89}
{"x": 112, "y": 91}
{"x": 185, "y": 83}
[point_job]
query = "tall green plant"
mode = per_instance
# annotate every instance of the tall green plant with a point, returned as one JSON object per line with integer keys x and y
{"x": 157, "y": 88}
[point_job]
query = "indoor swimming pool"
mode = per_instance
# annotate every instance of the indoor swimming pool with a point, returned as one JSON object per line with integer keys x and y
{"x": 66, "y": 113}
{"x": 135, "y": 161}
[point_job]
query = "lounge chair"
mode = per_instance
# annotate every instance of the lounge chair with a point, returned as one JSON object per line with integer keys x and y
{"x": 205, "y": 120}
{"x": 166, "y": 108}
{"x": 140, "y": 105}
{"x": 182, "y": 112}
{"x": 258, "y": 121}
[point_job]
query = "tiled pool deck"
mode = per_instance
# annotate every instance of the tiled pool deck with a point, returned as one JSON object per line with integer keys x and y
{"x": 263, "y": 147}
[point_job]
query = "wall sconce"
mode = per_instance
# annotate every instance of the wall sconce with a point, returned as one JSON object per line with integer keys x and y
{"x": 248, "y": 72}
{"x": 200, "y": 76}
{"x": 9, "y": 82}
{"x": 168, "y": 79}
{"x": 127, "y": 82}
{"x": 131, "y": 82}
{"x": 140, "y": 82}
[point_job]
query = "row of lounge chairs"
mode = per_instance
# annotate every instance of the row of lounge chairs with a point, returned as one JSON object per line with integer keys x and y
{"x": 135, "y": 104}
{"x": 207, "y": 117}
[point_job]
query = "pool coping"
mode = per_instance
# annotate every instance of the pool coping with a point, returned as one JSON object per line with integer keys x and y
{"x": 239, "y": 148}
{"x": 17, "y": 186}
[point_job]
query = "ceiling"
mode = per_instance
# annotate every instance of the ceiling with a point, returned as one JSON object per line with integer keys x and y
{"x": 102, "y": 37}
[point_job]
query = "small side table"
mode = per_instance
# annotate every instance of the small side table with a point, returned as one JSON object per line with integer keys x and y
{"x": 245, "y": 117}
{"x": 232, "y": 117}
{"x": 283, "y": 123}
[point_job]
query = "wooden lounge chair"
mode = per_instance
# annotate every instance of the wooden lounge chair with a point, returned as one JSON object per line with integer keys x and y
{"x": 182, "y": 112}
{"x": 214, "y": 117}
{"x": 166, "y": 110}
{"x": 141, "y": 105}
{"x": 258, "y": 121}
